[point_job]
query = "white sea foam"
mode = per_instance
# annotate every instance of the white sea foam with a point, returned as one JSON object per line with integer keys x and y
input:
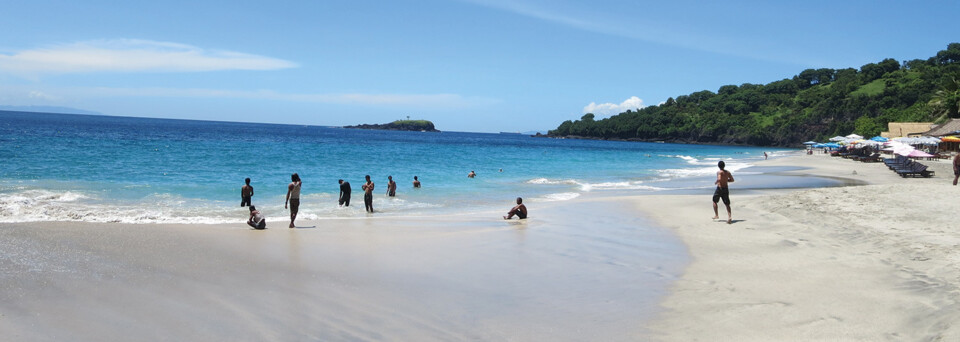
{"x": 552, "y": 181}
{"x": 731, "y": 166}
{"x": 44, "y": 205}
{"x": 561, "y": 196}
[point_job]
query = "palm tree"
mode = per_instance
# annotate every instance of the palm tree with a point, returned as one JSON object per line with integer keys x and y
{"x": 947, "y": 100}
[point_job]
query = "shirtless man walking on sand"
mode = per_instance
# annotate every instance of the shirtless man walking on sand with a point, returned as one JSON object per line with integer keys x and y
{"x": 956, "y": 168}
{"x": 368, "y": 194}
{"x": 293, "y": 197}
{"x": 723, "y": 192}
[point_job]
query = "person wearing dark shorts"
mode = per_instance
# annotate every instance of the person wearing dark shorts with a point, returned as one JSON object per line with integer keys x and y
{"x": 520, "y": 210}
{"x": 956, "y": 168}
{"x": 724, "y": 177}
{"x": 246, "y": 192}
{"x": 722, "y": 194}
{"x": 293, "y": 198}
{"x": 256, "y": 219}
{"x": 368, "y": 194}
{"x": 345, "y": 193}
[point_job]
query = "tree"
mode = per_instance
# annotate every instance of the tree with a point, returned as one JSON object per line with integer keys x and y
{"x": 947, "y": 99}
{"x": 950, "y": 55}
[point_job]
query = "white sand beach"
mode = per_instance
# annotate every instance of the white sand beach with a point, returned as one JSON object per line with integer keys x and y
{"x": 879, "y": 262}
{"x": 864, "y": 263}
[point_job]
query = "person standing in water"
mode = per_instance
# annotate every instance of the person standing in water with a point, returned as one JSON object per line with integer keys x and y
{"x": 723, "y": 192}
{"x": 345, "y": 193}
{"x": 368, "y": 194}
{"x": 391, "y": 187}
{"x": 416, "y": 182}
{"x": 471, "y": 174}
{"x": 246, "y": 192}
{"x": 293, "y": 198}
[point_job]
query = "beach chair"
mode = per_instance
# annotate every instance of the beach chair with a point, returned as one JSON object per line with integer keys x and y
{"x": 915, "y": 170}
{"x": 897, "y": 162}
{"x": 873, "y": 158}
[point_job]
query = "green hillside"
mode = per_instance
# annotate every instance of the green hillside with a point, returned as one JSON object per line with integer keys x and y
{"x": 815, "y": 104}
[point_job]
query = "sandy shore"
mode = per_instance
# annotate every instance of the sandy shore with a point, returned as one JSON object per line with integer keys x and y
{"x": 443, "y": 278}
{"x": 863, "y": 263}
{"x": 879, "y": 262}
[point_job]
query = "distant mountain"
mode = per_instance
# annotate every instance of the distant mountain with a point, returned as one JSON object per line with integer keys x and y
{"x": 400, "y": 125}
{"x": 48, "y": 109}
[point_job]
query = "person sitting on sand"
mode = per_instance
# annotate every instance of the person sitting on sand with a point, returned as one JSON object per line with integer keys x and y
{"x": 246, "y": 192}
{"x": 416, "y": 182}
{"x": 723, "y": 192}
{"x": 256, "y": 219}
{"x": 520, "y": 210}
{"x": 471, "y": 174}
{"x": 293, "y": 197}
{"x": 391, "y": 187}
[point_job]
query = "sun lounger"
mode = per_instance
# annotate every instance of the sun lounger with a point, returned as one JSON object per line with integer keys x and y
{"x": 916, "y": 170}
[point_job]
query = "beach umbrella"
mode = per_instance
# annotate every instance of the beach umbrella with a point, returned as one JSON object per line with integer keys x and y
{"x": 919, "y": 154}
{"x": 950, "y": 139}
{"x": 903, "y": 149}
{"x": 879, "y": 139}
{"x": 810, "y": 143}
{"x": 831, "y": 145}
{"x": 854, "y": 137}
{"x": 837, "y": 138}
{"x": 928, "y": 141}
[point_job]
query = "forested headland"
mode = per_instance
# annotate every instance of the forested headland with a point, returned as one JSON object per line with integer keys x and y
{"x": 815, "y": 104}
{"x": 400, "y": 125}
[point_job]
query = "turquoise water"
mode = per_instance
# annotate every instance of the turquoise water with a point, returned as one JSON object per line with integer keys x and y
{"x": 137, "y": 170}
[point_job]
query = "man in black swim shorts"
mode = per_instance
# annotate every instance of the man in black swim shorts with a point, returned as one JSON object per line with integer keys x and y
{"x": 723, "y": 191}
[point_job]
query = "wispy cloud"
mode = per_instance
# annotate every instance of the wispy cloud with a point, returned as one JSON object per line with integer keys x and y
{"x": 606, "y": 109}
{"x": 67, "y": 94}
{"x": 131, "y": 55}
{"x": 622, "y": 22}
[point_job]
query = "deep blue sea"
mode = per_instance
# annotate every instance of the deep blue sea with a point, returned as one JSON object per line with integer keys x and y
{"x": 138, "y": 170}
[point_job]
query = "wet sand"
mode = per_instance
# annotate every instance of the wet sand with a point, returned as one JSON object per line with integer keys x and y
{"x": 551, "y": 277}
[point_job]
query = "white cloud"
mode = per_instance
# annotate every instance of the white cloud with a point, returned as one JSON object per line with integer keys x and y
{"x": 131, "y": 55}
{"x": 606, "y": 109}
{"x": 39, "y": 95}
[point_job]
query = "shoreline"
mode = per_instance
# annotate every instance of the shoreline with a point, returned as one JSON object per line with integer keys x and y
{"x": 447, "y": 277}
{"x": 837, "y": 263}
{"x": 577, "y": 269}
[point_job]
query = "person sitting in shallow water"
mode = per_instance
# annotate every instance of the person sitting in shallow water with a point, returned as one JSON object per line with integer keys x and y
{"x": 520, "y": 210}
{"x": 256, "y": 219}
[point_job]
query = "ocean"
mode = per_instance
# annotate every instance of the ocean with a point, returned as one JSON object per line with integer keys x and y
{"x": 59, "y": 167}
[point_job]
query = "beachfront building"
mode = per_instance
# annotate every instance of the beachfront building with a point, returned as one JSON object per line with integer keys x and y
{"x": 946, "y": 132}
{"x": 906, "y": 129}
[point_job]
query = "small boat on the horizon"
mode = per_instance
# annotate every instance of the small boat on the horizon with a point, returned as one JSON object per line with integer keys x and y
{"x": 510, "y": 133}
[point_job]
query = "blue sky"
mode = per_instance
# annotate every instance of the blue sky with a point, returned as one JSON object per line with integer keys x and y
{"x": 483, "y": 66}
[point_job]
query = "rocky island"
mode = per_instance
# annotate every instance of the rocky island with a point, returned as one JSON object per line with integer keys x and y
{"x": 400, "y": 125}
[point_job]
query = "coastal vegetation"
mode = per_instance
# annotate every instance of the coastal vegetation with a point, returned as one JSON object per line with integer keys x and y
{"x": 400, "y": 125}
{"x": 814, "y": 104}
